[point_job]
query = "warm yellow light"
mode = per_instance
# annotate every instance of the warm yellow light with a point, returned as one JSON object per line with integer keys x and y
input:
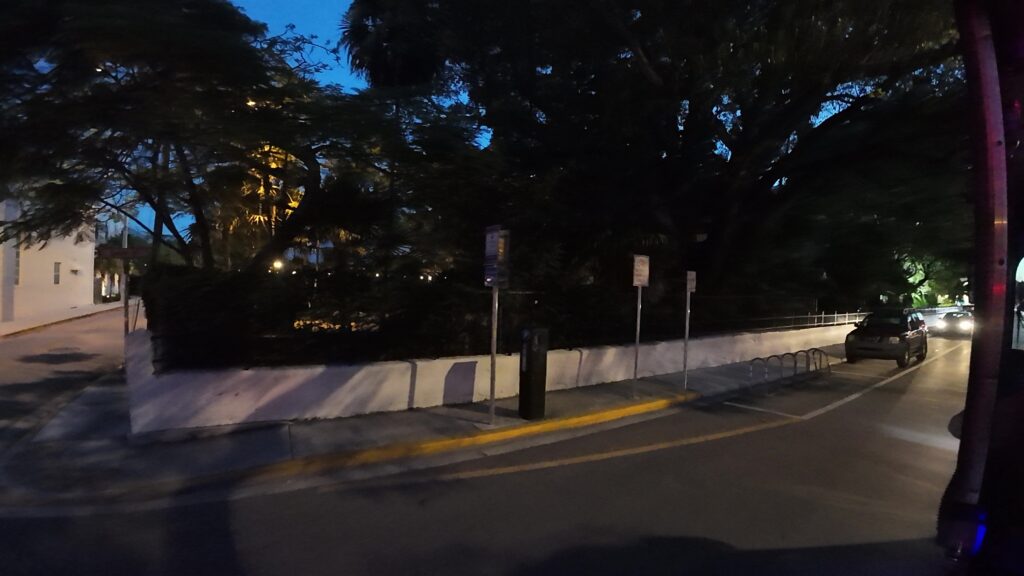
{"x": 278, "y": 264}
{"x": 250, "y": 103}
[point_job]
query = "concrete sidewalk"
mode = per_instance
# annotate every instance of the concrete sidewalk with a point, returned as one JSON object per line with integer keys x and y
{"x": 57, "y": 316}
{"x": 85, "y": 453}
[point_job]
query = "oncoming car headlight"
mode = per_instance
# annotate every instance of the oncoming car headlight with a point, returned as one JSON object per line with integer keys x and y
{"x": 966, "y": 325}
{"x": 941, "y": 324}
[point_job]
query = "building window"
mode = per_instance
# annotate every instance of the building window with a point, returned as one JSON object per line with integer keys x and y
{"x": 56, "y": 272}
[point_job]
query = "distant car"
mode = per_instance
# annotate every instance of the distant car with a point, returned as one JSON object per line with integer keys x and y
{"x": 955, "y": 323}
{"x": 889, "y": 335}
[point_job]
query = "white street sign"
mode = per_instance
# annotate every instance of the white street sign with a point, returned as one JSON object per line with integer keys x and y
{"x": 691, "y": 281}
{"x": 641, "y": 270}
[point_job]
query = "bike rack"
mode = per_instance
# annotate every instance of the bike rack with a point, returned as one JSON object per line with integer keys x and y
{"x": 783, "y": 357}
{"x": 813, "y": 357}
{"x": 754, "y": 361}
{"x": 782, "y": 368}
{"x": 807, "y": 361}
{"x": 819, "y": 356}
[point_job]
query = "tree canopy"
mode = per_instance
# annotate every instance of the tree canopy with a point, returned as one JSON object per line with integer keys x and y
{"x": 787, "y": 150}
{"x": 695, "y": 130}
{"x": 188, "y": 109}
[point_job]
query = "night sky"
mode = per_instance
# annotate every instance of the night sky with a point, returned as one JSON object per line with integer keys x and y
{"x": 319, "y": 17}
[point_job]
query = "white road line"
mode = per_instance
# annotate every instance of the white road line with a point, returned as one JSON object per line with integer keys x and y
{"x": 855, "y": 374}
{"x": 765, "y": 410}
{"x": 854, "y": 396}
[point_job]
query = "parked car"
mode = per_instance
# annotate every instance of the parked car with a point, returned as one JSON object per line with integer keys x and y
{"x": 889, "y": 335}
{"x": 955, "y": 324}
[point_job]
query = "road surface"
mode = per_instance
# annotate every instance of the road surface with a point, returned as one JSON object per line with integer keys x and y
{"x": 42, "y": 369}
{"x": 834, "y": 477}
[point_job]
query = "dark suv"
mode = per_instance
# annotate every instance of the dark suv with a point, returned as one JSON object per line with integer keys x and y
{"x": 890, "y": 335}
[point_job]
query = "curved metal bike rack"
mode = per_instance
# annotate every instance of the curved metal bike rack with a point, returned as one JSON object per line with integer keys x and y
{"x": 807, "y": 361}
{"x": 819, "y": 356}
{"x": 754, "y": 361}
{"x": 815, "y": 358}
{"x": 783, "y": 357}
{"x": 782, "y": 368}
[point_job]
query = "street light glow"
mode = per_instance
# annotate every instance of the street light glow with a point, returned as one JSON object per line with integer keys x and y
{"x": 278, "y": 264}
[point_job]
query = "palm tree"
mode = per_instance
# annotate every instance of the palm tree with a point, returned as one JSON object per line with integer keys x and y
{"x": 391, "y": 42}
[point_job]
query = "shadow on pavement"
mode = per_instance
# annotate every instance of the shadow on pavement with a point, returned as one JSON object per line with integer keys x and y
{"x": 20, "y": 403}
{"x": 200, "y": 540}
{"x": 668, "y": 555}
{"x": 57, "y": 358}
{"x": 58, "y": 546}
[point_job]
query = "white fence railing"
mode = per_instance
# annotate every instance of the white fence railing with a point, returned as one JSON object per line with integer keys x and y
{"x": 782, "y": 322}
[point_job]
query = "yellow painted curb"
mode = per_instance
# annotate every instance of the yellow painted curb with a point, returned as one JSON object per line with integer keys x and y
{"x": 319, "y": 464}
{"x": 330, "y": 462}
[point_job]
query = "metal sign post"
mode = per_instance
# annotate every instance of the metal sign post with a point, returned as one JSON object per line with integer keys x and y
{"x": 124, "y": 273}
{"x": 494, "y": 348}
{"x": 691, "y": 285}
{"x": 125, "y": 254}
{"x": 641, "y": 278}
{"x": 496, "y": 246}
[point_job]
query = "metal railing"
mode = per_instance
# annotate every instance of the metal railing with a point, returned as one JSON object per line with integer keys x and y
{"x": 780, "y": 322}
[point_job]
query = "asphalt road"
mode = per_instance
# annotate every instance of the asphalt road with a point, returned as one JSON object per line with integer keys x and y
{"x": 42, "y": 369}
{"x": 840, "y": 476}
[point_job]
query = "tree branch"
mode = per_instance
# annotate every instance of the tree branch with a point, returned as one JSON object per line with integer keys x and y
{"x": 609, "y": 10}
{"x": 196, "y": 203}
{"x": 158, "y": 208}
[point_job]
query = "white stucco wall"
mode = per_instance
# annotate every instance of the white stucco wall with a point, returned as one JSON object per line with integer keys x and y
{"x": 8, "y": 211}
{"x": 198, "y": 398}
{"x": 35, "y": 293}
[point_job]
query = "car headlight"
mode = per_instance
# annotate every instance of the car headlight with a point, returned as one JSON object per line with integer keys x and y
{"x": 940, "y": 324}
{"x": 966, "y": 325}
{"x": 894, "y": 339}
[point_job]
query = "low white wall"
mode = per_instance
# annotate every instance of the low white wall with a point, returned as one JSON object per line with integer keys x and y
{"x": 196, "y": 398}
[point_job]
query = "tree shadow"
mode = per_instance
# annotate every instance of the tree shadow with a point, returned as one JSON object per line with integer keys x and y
{"x": 57, "y": 358}
{"x": 20, "y": 401}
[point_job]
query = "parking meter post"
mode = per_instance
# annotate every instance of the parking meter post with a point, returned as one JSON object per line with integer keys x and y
{"x": 533, "y": 360}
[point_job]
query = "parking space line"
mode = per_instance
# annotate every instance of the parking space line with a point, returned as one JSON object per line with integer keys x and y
{"x": 765, "y": 410}
{"x": 854, "y": 374}
{"x": 855, "y": 395}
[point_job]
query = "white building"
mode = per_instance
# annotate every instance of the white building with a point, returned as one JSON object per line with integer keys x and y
{"x": 42, "y": 281}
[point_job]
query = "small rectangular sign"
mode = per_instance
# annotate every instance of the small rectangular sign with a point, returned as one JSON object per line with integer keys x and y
{"x": 119, "y": 252}
{"x": 691, "y": 281}
{"x": 496, "y": 256}
{"x": 641, "y": 270}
